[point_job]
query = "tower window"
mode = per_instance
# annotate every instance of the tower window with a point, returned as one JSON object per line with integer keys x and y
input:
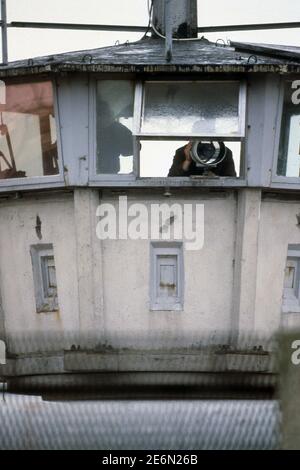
{"x": 166, "y": 290}
{"x": 291, "y": 288}
{"x": 44, "y": 276}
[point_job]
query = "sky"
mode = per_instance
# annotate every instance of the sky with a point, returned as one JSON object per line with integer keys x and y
{"x": 31, "y": 43}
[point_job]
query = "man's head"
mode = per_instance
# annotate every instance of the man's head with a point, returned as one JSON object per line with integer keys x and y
{"x": 104, "y": 113}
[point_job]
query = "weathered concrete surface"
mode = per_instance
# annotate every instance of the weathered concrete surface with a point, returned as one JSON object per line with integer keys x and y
{"x": 151, "y": 361}
{"x": 245, "y": 268}
{"x": 17, "y": 233}
{"x": 278, "y": 228}
{"x": 103, "y": 286}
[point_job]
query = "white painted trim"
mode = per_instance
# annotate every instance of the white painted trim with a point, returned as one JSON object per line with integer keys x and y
{"x": 191, "y": 136}
{"x": 176, "y": 182}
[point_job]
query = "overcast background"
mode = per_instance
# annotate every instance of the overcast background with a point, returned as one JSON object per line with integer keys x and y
{"x": 31, "y": 43}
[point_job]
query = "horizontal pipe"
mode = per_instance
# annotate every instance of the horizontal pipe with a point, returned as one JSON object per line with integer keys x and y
{"x": 249, "y": 27}
{"x": 74, "y": 26}
{"x": 140, "y": 29}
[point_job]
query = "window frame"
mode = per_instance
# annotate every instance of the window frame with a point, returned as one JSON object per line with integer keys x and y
{"x": 166, "y": 248}
{"x": 135, "y": 180}
{"x": 48, "y": 180}
{"x": 38, "y": 253}
{"x": 93, "y": 175}
{"x": 275, "y": 177}
{"x": 293, "y": 306}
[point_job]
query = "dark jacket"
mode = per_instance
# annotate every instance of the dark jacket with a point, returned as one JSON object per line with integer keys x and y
{"x": 113, "y": 141}
{"x": 225, "y": 168}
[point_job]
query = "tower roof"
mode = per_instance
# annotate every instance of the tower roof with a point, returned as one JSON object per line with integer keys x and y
{"x": 148, "y": 55}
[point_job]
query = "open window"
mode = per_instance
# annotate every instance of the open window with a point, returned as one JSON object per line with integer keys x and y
{"x": 28, "y": 137}
{"x": 141, "y": 127}
{"x": 288, "y": 163}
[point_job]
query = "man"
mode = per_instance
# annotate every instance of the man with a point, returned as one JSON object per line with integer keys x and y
{"x": 184, "y": 165}
{"x": 113, "y": 139}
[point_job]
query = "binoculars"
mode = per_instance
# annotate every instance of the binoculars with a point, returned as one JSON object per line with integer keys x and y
{"x": 208, "y": 154}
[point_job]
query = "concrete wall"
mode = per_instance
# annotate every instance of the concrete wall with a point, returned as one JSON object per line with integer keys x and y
{"x": 208, "y": 281}
{"x": 278, "y": 228}
{"x": 234, "y": 282}
{"x": 103, "y": 287}
{"x": 17, "y": 233}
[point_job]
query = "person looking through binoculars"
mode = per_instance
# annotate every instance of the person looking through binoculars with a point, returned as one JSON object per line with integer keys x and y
{"x": 203, "y": 158}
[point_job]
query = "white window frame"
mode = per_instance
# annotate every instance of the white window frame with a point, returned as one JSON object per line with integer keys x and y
{"x": 135, "y": 179}
{"x": 291, "y": 301}
{"x": 280, "y": 178}
{"x": 36, "y": 182}
{"x": 44, "y": 302}
{"x": 166, "y": 249}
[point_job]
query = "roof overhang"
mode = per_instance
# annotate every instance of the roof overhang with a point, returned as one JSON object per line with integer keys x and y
{"x": 148, "y": 56}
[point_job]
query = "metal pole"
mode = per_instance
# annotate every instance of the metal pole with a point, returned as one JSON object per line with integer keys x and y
{"x": 168, "y": 30}
{"x": 142, "y": 29}
{"x": 182, "y": 16}
{"x": 248, "y": 27}
{"x": 77, "y": 26}
{"x": 4, "y": 32}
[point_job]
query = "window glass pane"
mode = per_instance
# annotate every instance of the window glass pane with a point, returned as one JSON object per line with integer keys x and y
{"x": 167, "y": 276}
{"x": 44, "y": 277}
{"x": 158, "y": 157}
{"x": 114, "y": 126}
{"x": 290, "y": 274}
{"x": 192, "y": 108}
{"x": 291, "y": 290}
{"x": 289, "y": 147}
{"x": 28, "y": 142}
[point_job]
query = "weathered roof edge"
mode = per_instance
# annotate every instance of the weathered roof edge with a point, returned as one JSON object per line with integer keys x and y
{"x": 147, "y": 56}
{"x": 153, "y": 68}
{"x": 286, "y": 52}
